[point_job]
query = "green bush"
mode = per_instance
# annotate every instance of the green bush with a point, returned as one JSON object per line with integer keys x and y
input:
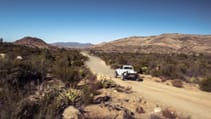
{"x": 71, "y": 95}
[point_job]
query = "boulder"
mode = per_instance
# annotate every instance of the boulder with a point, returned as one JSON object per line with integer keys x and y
{"x": 2, "y": 55}
{"x": 157, "y": 110}
{"x": 71, "y": 113}
{"x": 19, "y": 57}
{"x": 100, "y": 112}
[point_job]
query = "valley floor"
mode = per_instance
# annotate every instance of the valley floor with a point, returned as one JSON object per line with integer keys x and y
{"x": 195, "y": 103}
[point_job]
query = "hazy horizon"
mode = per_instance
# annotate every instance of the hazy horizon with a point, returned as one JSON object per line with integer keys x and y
{"x": 94, "y": 21}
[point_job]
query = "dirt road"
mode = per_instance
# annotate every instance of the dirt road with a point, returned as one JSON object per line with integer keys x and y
{"x": 197, "y": 104}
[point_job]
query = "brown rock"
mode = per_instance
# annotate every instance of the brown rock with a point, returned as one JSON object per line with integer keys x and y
{"x": 169, "y": 113}
{"x": 71, "y": 113}
{"x": 101, "y": 99}
{"x": 140, "y": 110}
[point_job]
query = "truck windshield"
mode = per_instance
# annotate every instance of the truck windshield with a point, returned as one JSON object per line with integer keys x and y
{"x": 128, "y": 68}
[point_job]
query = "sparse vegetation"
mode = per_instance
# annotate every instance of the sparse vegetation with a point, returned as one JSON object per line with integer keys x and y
{"x": 168, "y": 66}
{"x": 22, "y": 94}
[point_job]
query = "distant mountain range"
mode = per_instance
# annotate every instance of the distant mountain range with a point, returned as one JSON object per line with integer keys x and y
{"x": 163, "y": 44}
{"x": 72, "y": 44}
{"x": 39, "y": 43}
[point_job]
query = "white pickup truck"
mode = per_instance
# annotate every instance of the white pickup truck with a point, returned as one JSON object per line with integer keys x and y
{"x": 127, "y": 72}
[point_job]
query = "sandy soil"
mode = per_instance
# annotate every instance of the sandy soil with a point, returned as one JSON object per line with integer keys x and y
{"x": 195, "y": 103}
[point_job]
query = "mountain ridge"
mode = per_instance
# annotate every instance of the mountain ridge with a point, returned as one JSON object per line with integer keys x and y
{"x": 72, "y": 44}
{"x": 163, "y": 44}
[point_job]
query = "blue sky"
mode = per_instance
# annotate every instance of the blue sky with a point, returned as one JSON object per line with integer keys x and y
{"x": 97, "y": 21}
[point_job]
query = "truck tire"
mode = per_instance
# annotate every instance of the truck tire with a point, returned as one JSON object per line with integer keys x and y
{"x": 136, "y": 78}
{"x": 123, "y": 76}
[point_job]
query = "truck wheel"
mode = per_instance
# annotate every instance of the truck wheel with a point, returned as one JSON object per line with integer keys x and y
{"x": 124, "y": 75}
{"x": 137, "y": 79}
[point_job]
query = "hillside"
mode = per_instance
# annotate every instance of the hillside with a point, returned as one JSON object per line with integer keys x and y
{"x": 72, "y": 44}
{"x": 37, "y": 86}
{"x": 164, "y": 43}
{"x": 32, "y": 42}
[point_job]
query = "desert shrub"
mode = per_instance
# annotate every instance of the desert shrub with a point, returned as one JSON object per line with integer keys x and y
{"x": 64, "y": 71}
{"x": 88, "y": 93}
{"x": 23, "y": 76}
{"x": 54, "y": 102}
{"x": 168, "y": 113}
{"x": 26, "y": 109}
{"x": 99, "y": 85}
{"x": 168, "y": 70}
{"x": 89, "y": 90}
{"x": 19, "y": 74}
{"x": 51, "y": 105}
{"x": 206, "y": 84}
{"x": 71, "y": 95}
{"x": 108, "y": 83}
{"x": 144, "y": 70}
{"x": 194, "y": 80}
{"x": 69, "y": 66}
{"x": 20, "y": 80}
{"x": 78, "y": 63}
{"x": 122, "y": 60}
{"x": 114, "y": 66}
{"x": 177, "y": 83}
{"x": 172, "y": 66}
{"x": 15, "y": 82}
{"x": 155, "y": 72}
